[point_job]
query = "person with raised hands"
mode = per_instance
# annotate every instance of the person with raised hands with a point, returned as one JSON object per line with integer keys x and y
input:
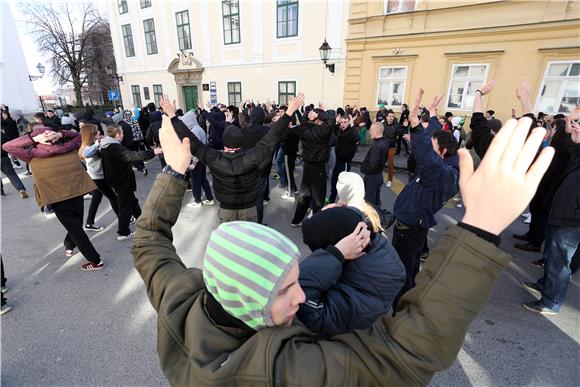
{"x": 562, "y": 231}
{"x": 234, "y": 319}
{"x": 235, "y": 171}
{"x": 437, "y": 168}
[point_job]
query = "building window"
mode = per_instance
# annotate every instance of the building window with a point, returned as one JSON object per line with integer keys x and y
{"x": 396, "y": 6}
{"x": 146, "y": 94}
{"x": 287, "y": 18}
{"x": 560, "y": 90}
{"x": 465, "y": 79}
{"x": 128, "y": 40}
{"x": 183, "y": 31}
{"x": 235, "y": 93}
{"x": 286, "y": 89}
{"x": 123, "y": 7}
{"x": 157, "y": 94}
{"x": 145, "y": 3}
{"x": 150, "y": 39}
{"x": 136, "y": 95}
{"x": 391, "y": 87}
{"x": 231, "y": 17}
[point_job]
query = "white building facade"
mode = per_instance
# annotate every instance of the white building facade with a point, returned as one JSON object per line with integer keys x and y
{"x": 228, "y": 51}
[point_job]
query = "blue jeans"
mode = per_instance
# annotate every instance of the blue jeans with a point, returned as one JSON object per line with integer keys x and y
{"x": 281, "y": 168}
{"x": 561, "y": 244}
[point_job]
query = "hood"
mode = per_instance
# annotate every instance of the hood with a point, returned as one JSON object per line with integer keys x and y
{"x": 190, "y": 120}
{"x": 452, "y": 161}
{"x": 117, "y": 118}
{"x": 67, "y": 120}
{"x": 154, "y": 117}
{"x": 106, "y": 141}
{"x": 257, "y": 116}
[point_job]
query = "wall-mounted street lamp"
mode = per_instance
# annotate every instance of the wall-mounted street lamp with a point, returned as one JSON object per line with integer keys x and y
{"x": 41, "y": 69}
{"x": 325, "y": 50}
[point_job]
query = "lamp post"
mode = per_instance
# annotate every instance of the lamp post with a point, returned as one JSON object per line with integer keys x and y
{"x": 41, "y": 69}
{"x": 325, "y": 50}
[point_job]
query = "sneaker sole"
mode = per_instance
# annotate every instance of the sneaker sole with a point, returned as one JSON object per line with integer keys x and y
{"x": 92, "y": 268}
{"x": 532, "y": 291}
{"x": 94, "y": 229}
{"x": 545, "y": 311}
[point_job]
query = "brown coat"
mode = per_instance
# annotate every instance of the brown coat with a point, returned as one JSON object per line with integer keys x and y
{"x": 59, "y": 178}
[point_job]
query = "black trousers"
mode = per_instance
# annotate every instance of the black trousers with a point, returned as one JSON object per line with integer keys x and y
{"x": 128, "y": 206}
{"x": 103, "y": 188}
{"x": 290, "y": 164}
{"x": 263, "y": 191}
{"x": 313, "y": 187}
{"x": 409, "y": 243}
{"x": 373, "y": 185}
{"x": 70, "y": 214}
{"x": 540, "y": 211}
{"x": 3, "y": 281}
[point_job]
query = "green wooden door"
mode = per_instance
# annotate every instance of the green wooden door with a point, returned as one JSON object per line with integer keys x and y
{"x": 190, "y": 94}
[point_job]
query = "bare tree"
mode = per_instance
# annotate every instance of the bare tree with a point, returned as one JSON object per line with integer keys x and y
{"x": 64, "y": 34}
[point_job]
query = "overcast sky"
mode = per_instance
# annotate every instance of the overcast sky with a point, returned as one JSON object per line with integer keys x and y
{"x": 45, "y": 85}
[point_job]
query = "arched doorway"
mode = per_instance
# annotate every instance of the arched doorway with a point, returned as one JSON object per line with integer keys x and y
{"x": 188, "y": 81}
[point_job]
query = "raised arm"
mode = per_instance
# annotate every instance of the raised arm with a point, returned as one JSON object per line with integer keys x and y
{"x": 154, "y": 255}
{"x": 481, "y": 135}
{"x": 414, "y": 114}
{"x": 433, "y": 318}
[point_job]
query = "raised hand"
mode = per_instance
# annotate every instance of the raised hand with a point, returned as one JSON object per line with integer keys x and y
{"x": 294, "y": 104}
{"x": 487, "y": 88}
{"x": 167, "y": 106}
{"x": 524, "y": 95}
{"x": 503, "y": 185}
{"x": 413, "y": 115}
{"x": 433, "y": 106}
{"x": 176, "y": 153}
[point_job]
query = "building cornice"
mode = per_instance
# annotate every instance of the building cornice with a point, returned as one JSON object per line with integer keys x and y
{"x": 477, "y": 53}
{"x": 409, "y": 56}
{"x": 480, "y": 31}
{"x": 559, "y": 49}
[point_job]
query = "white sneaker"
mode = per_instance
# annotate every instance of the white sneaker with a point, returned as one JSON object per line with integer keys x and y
{"x": 528, "y": 219}
{"x": 287, "y": 196}
{"x": 88, "y": 197}
{"x": 125, "y": 237}
{"x": 526, "y": 214}
{"x": 389, "y": 183}
{"x": 194, "y": 205}
{"x": 208, "y": 202}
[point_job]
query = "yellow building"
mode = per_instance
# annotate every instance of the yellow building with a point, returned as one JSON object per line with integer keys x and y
{"x": 228, "y": 51}
{"x": 453, "y": 47}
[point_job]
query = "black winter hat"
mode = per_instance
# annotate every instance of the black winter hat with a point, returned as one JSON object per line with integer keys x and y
{"x": 233, "y": 137}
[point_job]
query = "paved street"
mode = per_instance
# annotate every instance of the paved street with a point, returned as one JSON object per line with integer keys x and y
{"x": 70, "y": 327}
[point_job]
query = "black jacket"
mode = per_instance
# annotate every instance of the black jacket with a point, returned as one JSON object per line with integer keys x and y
{"x": 391, "y": 132}
{"x": 9, "y": 132}
{"x": 315, "y": 141}
{"x": 481, "y": 134}
{"x": 53, "y": 122}
{"x": 346, "y": 144}
{"x": 236, "y": 176}
{"x": 117, "y": 167}
{"x": 253, "y": 133}
{"x": 565, "y": 209}
{"x": 376, "y": 157}
{"x": 152, "y": 136}
{"x": 217, "y": 120}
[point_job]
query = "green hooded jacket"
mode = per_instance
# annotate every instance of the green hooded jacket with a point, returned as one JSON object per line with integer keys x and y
{"x": 424, "y": 337}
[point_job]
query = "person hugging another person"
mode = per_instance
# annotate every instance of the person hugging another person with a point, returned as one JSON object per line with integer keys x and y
{"x": 347, "y": 292}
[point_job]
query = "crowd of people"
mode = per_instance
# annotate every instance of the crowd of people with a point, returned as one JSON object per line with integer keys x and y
{"x": 261, "y": 313}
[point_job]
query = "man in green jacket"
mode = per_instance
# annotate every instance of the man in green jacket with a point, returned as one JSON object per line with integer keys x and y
{"x": 232, "y": 323}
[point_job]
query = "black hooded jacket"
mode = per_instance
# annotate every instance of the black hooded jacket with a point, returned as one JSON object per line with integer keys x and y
{"x": 236, "y": 176}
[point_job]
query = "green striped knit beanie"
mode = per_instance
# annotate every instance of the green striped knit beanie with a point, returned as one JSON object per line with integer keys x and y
{"x": 244, "y": 266}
